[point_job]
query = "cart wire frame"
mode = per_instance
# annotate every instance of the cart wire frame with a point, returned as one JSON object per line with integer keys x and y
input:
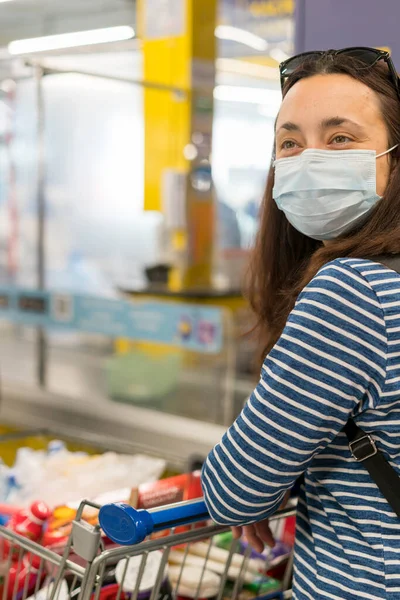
{"x": 87, "y": 562}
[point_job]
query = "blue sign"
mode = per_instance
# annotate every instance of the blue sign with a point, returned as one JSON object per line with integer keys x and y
{"x": 195, "y": 327}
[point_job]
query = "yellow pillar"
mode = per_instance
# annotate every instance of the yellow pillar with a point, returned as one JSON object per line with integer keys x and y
{"x": 179, "y": 73}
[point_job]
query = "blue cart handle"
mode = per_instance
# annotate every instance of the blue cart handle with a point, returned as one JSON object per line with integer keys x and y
{"x": 125, "y": 525}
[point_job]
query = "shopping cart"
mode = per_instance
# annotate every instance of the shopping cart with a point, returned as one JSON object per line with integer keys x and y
{"x": 166, "y": 554}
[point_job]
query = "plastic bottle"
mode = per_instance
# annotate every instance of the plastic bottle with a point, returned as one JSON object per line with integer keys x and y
{"x": 27, "y": 473}
{"x": 12, "y": 488}
{"x": 4, "y": 472}
{"x": 55, "y": 447}
{"x": 29, "y": 523}
{"x": 19, "y": 572}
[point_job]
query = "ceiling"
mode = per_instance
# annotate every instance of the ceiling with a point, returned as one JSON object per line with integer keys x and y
{"x": 21, "y": 19}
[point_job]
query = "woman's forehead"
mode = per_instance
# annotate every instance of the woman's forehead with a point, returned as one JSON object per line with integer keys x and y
{"x": 313, "y": 99}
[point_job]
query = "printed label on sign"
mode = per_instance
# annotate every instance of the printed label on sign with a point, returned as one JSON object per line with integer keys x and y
{"x": 62, "y": 307}
{"x": 271, "y": 8}
{"x": 33, "y": 304}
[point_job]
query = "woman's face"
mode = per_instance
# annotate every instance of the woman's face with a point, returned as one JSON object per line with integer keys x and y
{"x": 333, "y": 112}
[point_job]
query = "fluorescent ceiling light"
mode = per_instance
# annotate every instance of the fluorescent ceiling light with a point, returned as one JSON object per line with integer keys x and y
{"x": 71, "y": 40}
{"x": 278, "y": 55}
{"x": 235, "y": 34}
{"x": 248, "y": 95}
{"x": 1, "y": 1}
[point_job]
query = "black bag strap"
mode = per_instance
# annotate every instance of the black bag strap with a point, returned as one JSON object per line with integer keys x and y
{"x": 362, "y": 446}
{"x": 364, "y": 450}
{"x": 388, "y": 260}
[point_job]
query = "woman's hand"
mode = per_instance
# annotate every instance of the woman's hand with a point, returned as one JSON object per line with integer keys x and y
{"x": 259, "y": 534}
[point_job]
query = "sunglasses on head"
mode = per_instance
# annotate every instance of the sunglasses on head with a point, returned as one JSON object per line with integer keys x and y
{"x": 368, "y": 56}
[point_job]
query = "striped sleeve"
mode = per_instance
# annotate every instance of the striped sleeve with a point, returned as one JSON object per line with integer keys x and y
{"x": 329, "y": 361}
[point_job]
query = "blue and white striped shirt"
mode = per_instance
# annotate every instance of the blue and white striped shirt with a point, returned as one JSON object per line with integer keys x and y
{"x": 338, "y": 356}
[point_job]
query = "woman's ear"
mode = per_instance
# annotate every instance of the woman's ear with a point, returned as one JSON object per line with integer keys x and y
{"x": 395, "y": 165}
{"x": 396, "y": 153}
{"x": 394, "y": 162}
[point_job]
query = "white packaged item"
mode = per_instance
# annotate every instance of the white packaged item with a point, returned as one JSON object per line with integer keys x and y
{"x": 177, "y": 557}
{"x": 189, "y": 578}
{"x": 126, "y": 575}
{"x": 45, "y": 592}
{"x": 221, "y": 555}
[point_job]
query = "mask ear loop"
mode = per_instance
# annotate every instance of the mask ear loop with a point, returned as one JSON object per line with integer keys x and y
{"x": 390, "y": 150}
{"x": 396, "y": 157}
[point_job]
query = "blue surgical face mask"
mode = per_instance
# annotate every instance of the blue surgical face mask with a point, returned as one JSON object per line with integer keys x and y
{"x": 325, "y": 193}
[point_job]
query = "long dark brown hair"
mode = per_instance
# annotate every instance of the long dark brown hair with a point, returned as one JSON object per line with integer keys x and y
{"x": 284, "y": 261}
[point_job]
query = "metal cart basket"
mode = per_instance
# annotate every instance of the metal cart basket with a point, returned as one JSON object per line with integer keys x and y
{"x": 168, "y": 553}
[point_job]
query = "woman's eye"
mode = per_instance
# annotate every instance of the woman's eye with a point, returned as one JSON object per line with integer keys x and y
{"x": 288, "y": 145}
{"x": 341, "y": 139}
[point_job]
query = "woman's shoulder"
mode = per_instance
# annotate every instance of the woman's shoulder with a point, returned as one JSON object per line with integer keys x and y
{"x": 342, "y": 298}
{"x": 343, "y": 270}
{"x": 369, "y": 273}
{"x": 346, "y": 281}
{"x": 366, "y": 271}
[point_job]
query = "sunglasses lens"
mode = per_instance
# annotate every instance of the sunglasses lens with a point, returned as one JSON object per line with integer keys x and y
{"x": 368, "y": 56}
{"x": 288, "y": 67}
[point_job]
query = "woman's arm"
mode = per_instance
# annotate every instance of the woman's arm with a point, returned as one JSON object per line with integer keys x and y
{"x": 330, "y": 359}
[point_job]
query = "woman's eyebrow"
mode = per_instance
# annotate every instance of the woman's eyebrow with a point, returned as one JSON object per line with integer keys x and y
{"x": 325, "y": 124}
{"x": 289, "y": 126}
{"x": 338, "y": 121}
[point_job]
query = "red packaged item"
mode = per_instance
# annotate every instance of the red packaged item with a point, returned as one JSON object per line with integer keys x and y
{"x": 28, "y": 522}
{"x": 167, "y": 491}
{"x": 286, "y": 530}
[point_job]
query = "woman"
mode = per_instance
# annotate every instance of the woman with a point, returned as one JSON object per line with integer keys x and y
{"x": 332, "y": 319}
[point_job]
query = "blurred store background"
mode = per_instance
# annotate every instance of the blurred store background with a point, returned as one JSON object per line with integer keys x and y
{"x": 135, "y": 139}
{"x": 79, "y": 215}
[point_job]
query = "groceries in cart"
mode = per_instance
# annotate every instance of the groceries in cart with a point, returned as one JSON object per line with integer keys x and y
{"x": 58, "y": 476}
{"x": 200, "y": 562}
{"x": 73, "y": 551}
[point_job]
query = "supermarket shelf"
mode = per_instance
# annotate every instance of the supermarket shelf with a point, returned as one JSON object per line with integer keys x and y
{"x": 79, "y": 372}
{"x": 118, "y": 427}
{"x": 76, "y": 404}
